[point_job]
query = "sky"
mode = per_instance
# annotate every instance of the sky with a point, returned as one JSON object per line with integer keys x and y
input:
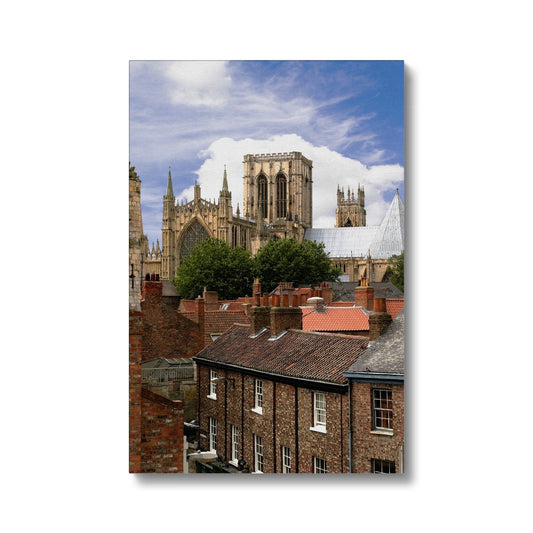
{"x": 194, "y": 117}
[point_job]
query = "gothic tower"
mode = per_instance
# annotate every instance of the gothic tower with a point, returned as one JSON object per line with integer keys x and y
{"x": 138, "y": 244}
{"x": 168, "y": 267}
{"x": 350, "y": 211}
{"x": 278, "y": 188}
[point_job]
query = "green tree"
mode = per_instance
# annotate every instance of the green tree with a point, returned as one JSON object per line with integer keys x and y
{"x": 289, "y": 260}
{"x": 396, "y": 270}
{"x": 212, "y": 264}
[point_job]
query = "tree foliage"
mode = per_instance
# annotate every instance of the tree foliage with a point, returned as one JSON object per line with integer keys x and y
{"x": 133, "y": 174}
{"x": 230, "y": 271}
{"x": 215, "y": 266}
{"x": 303, "y": 263}
{"x": 396, "y": 270}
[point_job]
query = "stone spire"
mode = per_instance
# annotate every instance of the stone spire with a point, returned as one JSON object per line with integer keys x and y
{"x": 170, "y": 192}
{"x": 225, "y": 181}
{"x": 225, "y": 193}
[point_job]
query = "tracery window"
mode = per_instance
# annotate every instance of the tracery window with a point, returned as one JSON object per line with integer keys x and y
{"x": 196, "y": 234}
{"x": 262, "y": 190}
{"x": 281, "y": 191}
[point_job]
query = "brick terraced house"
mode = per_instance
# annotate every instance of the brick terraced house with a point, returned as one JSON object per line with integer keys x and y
{"x": 377, "y": 390}
{"x": 274, "y": 398}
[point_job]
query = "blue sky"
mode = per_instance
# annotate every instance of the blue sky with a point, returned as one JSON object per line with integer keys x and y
{"x": 197, "y": 116}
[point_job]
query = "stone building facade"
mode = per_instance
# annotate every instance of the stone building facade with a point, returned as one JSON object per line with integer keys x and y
{"x": 277, "y": 204}
{"x": 350, "y": 212}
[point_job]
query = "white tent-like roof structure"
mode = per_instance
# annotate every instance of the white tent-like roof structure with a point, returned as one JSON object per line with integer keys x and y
{"x": 381, "y": 241}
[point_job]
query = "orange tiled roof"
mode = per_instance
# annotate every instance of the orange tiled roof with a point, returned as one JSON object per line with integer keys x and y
{"x": 335, "y": 319}
{"x": 394, "y": 306}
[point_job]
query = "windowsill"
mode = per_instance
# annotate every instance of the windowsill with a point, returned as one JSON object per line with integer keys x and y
{"x": 212, "y": 396}
{"x": 258, "y": 410}
{"x": 387, "y": 432}
{"x": 319, "y": 429}
{"x": 234, "y": 463}
{"x": 258, "y": 472}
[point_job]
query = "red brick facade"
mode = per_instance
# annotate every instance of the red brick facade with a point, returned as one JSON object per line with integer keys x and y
{"x": 166, "y": 332}
{"x": 286, "y": 420}
{"x": 155, "y": 423}
{"x": 162, "y": 434}
{"x": 369, "y": 443}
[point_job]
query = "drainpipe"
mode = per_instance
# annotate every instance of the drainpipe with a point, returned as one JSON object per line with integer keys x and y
{"x": 296, "y": 428}
{"x": 274, "y": 424}
{"x": 351, "y": 428}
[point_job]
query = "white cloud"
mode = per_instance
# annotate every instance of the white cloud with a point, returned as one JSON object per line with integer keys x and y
{"x": 198, "y": 83}
{"x": 329, "y": 170}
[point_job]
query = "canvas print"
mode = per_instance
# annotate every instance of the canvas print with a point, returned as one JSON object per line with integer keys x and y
{"x": 266, "y": 259}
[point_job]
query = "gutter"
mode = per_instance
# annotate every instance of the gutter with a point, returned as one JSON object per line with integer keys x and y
{"x": 373, "y": 376}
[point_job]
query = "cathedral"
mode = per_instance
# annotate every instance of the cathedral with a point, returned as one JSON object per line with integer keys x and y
{"x": 277, "y": 204}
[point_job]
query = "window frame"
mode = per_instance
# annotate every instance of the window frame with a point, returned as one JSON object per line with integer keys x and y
{"x": 213, "y": 375}
{"x": 259, "y": 463}
{"x": 381, "y": 463}
{"x": 319, "y": 412}
{"x": 234, "y": 445}
{"x": 285, "y": 460}
{"x": 212, "y": 434}
{"x": 258, "y": 396}
{"x": 382, "y": 411}
{"x": 320, "y": 466}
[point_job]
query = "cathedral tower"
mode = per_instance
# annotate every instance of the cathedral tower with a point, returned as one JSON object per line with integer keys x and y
{"x": 278, "y": 188}
{"x": 350, "y": 211}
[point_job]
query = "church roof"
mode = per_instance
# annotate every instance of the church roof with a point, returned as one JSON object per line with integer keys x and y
{"x": 381, "y": 241}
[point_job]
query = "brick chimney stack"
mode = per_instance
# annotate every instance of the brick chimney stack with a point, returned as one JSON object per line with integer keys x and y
{"x": 282, "y": 318}
{"x": 256, "y": 287}
{"x": 379, "y": 320}
{"x": 211, "y": 300}
{"x": 364, "y": 295}
{"x": 327, "y": 292}
{"x": 199, "y": 317}
{"x": 259, "y": 318}
{"x": 152, "y": 292}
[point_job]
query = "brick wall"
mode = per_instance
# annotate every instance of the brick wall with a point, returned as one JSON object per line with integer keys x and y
{"x": 162, "y": 434}
{"x": 368, "y": 445}
{"x": 135, "y": 354}
{"x": 167, "y": 333}
{"x": 286, "y": 419}
{"x": 155, "y": 423}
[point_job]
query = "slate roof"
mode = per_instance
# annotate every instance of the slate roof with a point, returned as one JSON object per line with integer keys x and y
{"x": 299, "y": 354}
{"x": 335, "y": 319}
{"x": 344, "y": 291}
{"x": 386, "y": 354}
{"x": 381, "y": 241}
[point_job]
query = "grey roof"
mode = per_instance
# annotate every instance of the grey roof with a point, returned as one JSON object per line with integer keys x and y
{"x": 381, "y": 241}
{"x": 166, "y": 362}
{"x": 344, "y": 291}
{"x": 386, "y": 354}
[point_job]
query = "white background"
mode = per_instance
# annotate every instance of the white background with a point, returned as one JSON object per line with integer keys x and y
{"x": 64, "y": 127}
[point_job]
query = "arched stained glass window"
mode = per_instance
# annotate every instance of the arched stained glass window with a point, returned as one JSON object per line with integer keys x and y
{"x": 195, "y": 235}
{"x": 262, "y": 191}
{"x": 281, "y": 192}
